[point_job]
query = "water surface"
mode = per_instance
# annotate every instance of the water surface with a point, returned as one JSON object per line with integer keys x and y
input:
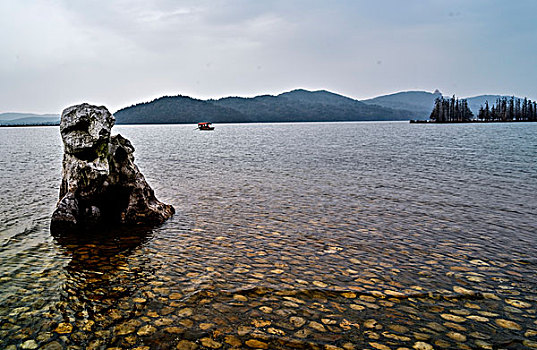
{"x": 313, "y": 235}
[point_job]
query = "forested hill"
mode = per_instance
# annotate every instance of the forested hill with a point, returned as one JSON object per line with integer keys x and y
{"x": 293, "y": 106}
{"x": 421, "y": 103}
{"x": 176, "y": 109}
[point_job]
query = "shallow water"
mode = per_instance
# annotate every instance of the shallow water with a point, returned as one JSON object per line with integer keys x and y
{"x": 315, "y": 235}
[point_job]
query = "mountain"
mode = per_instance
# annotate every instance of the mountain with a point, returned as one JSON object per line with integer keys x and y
{"x": 176, "y": 109}
{"x": 420, "y": 103}
{"x": 32, "y": 121}
{"x": 28, "y": 118}
{"x": 477, "y": 101}
{"x": 292, "y": 106}
{"x": 321, "y": 96}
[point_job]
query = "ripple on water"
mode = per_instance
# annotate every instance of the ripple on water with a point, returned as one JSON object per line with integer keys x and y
{"x": 342, "y": 236}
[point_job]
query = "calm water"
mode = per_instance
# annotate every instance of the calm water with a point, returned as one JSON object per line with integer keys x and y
{"x": 329, "y": 235}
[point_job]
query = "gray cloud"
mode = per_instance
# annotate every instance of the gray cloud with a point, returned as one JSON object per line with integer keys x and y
{"x": 55, "y": 53}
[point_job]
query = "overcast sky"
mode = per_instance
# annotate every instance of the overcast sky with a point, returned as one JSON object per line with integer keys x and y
{"x": 116, "y": 53}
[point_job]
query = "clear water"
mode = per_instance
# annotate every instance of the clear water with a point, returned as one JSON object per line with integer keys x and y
{"x": 314, "y": 235}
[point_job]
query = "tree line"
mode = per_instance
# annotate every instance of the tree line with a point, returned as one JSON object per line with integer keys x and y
{"x": 451, "y": 110}
{"x": 512, "y": 109}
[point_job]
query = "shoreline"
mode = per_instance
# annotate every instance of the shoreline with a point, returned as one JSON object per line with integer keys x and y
{"x": 222, "y": 123}
{"x": 412, "y": 121}
{"x": 26, "y": 125}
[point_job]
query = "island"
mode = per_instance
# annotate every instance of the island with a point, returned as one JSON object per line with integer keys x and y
{"x": 453, "y": 110}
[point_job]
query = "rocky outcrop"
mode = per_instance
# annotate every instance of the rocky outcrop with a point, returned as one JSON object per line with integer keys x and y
{"x": 101, "y": 184}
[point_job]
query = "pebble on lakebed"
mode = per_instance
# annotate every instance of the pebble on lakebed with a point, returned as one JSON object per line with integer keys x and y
{"x": 116, "y": 298}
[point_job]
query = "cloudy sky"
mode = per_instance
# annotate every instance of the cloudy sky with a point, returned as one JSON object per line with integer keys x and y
{"x": 57, "y": 53}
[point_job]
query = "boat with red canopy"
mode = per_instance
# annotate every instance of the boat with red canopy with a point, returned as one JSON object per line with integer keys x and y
{"x": 205, "y": 126}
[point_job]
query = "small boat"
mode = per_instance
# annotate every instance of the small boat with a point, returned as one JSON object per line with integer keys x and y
{"x": 205, "y": 126}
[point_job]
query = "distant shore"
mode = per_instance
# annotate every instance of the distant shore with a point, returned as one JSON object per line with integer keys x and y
{"x": 253, "y": 122}
{"x": 412, "y": 121}
{"x": 25, "y": 125}
{"x": 471, "y": 121}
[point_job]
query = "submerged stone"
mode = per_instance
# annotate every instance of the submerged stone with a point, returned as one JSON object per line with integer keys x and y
{"x": 186, "y": 345}
{"x": 29, "y": 344}
{"x": 64, "y": 328}
{"x": 508, "y": 324}
{"x": 518, "y": 303}
{"x": 210, "y": 343}
{"x": 100, "y": 182}
{"x": 422, "y": 346}
{"x": 52, "y": 346}
{"x": 379, "y": 346}
{"x": 254, "y": 343}
{"x": 146, "y": 330}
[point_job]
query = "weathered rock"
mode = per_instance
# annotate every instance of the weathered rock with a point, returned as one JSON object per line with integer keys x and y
{"x": 101, "y": 183}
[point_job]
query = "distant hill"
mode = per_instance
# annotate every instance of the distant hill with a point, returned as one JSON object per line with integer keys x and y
{"x": 476, "y": 102}
{"x": 321, "y": 96}
{"x": 293, "y": 106}
{"x": 418, "y": 102}
{"x": 421, "y": 103}
{"x": 176, "y": 109}
{"x": 28, "y": 118}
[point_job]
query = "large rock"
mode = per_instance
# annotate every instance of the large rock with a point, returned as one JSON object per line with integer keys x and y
{"x": 101, "y": 184}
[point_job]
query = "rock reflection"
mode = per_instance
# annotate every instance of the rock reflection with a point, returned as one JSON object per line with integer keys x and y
{"x": 102, "y": 281}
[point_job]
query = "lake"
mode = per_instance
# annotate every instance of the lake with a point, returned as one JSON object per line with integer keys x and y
{"x": 310, "y": 236}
